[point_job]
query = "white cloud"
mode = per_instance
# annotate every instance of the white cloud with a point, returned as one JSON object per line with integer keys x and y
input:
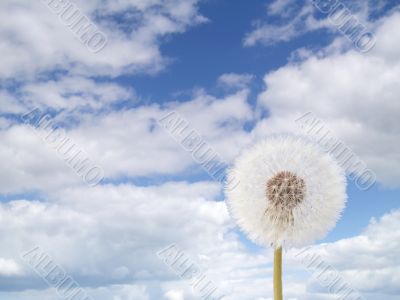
{"x": 368, "y": 262}
{"x": 125, "y": 143}
{"x": 9, "y": 267}
{"x": 95, "y": 233}
{"x": 71, "y": 93}
{"x": 234, "y": 80}
{"x": 113, "y": 292}
{"x": 35, "y": 40}
{"x": 343, "y": 89}
{"x": 281, "y": 7}
{"x": 296, "y": 19}
{"x": 354, "y": 94}
{"x": 174, "y": 295}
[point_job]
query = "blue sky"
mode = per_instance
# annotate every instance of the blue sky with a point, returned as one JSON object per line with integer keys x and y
{"x": 236, "y": 72}
{"x": 202, "y": 54}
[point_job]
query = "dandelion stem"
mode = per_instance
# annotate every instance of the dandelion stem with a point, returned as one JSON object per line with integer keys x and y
{"x": 278, "y": 274}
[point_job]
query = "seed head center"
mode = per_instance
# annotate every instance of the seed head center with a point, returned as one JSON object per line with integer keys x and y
{"x": 285, "y": 190}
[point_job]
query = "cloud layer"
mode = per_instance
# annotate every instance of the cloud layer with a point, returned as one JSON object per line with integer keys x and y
{"x": 154, "y": 193}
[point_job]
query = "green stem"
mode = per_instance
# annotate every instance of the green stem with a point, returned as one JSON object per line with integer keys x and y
{"x": 278, "y": 274}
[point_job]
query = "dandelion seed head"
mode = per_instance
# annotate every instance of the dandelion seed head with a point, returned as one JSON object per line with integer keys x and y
{"x": 287, "y": 191}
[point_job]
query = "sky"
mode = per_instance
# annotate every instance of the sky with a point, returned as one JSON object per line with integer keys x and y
{"x": 235, "y": 72}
